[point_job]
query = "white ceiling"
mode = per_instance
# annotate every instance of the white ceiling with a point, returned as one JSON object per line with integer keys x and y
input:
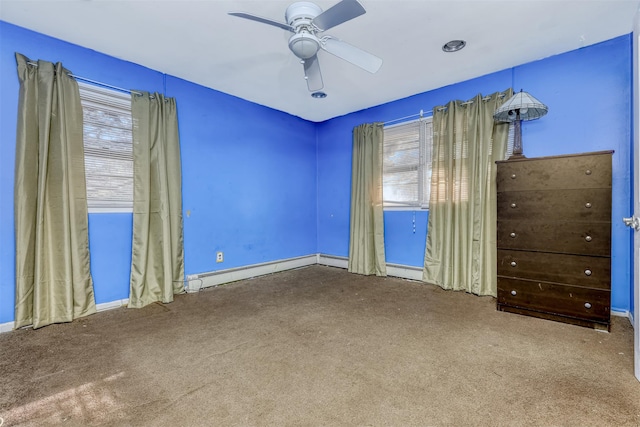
{"x": 199, "y": 42}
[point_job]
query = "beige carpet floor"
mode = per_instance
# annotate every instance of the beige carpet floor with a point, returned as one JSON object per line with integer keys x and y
{"x": 319, "y": 347}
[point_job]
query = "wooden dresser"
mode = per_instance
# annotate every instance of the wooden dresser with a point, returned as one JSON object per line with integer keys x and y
{"x": 554, "y": 238}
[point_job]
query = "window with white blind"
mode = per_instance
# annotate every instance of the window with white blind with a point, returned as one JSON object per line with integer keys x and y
{"x": 108, "y": 148}
{"x": 406, "y": 167}
{"x": 407, "y": 171}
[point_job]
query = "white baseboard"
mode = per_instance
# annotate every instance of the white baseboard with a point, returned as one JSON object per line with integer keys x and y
{"x": 405, "y": 272}
{"x": 196, "y": 282}
{"x": 626, "y": 314}
{"x": 394, "y": 270}
{"x": 333, "y": 261}
{"x": 112, "y": 304}
{"x": 621, "y": 314}
{"x": 6, "y": 327}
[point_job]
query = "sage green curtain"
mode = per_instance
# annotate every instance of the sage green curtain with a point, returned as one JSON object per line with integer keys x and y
{"x": 53, "y": 278}
{"x": 461, "y": 235}
{"x": 366, "y": 244}
{"x": 157, "y": 261}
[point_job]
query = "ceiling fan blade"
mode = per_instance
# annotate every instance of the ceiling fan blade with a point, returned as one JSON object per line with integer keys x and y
{"x": 312, "y": 74}
{"x": 352, "y": 54}
{"x": 338, "y": 13}
{"x": 263, "y": 20}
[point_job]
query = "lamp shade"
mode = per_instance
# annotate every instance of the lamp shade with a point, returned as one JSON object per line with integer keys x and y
{"x": 529, "y": 108}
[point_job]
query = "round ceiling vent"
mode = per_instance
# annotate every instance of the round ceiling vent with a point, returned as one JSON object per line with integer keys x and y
{"x": 454, "y": 45}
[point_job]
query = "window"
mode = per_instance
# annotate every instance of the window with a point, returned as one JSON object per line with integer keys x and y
{"x": 406, "y": 165}
{"x": 108, "y": 148}
{"x": 406, "y": 168}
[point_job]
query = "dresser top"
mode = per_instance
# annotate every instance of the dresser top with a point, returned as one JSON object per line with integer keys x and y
{"x": 525, "y": 159}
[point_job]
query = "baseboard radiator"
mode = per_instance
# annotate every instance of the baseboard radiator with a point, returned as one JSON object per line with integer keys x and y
{"x": 197, "y": 282}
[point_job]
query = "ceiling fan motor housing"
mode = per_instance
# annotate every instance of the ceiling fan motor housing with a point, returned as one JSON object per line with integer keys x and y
{"x": 301, "y": 13}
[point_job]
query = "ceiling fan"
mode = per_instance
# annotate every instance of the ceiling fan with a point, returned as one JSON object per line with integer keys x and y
{"x": 307, "y": 22}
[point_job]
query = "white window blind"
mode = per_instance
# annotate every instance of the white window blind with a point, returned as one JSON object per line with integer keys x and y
{"x": 108, "y": 149}
{"x": 407, "y": 164}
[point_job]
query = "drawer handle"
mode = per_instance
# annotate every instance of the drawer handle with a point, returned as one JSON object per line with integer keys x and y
{"x": 587, "y": 172}
{"x": 588, "y": 238}
{"x": 513, "y": 263}
{"x": 513, "y": 176}
{"x": 513, "y": 205}
{"x": 514, "y": 293}
{"x": 587, "y": 305}
{"x": 587, "y": 205}
{"x": 587, "y": 272}
{"x": 512, "y": 235}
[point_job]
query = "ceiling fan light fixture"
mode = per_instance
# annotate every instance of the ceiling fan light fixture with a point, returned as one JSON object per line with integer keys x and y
{"x": 318, "y": 95}
{"x": 304, "y": 45}
{"x": 454, "y": 45}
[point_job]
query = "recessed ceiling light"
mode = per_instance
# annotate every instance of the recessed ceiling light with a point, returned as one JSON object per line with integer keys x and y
{"x": 454, "y": 45}
{"x": 319, "y": 95}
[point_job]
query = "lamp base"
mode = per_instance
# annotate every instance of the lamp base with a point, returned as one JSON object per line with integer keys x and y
{"x": 517, "y": 139}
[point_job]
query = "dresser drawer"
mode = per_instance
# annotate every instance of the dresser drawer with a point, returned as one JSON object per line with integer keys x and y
{"x": 589, "y": 204}
{"x": 554, "y": 173}
{"x": 576, "y": 270}
{"x": 584, "y": 303}
{"x": 555, "y": 236}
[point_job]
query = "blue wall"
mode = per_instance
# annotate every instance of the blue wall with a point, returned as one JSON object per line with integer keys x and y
{"x": 589, "y": 99}
{"x": 249, "y": 180}
{"x": 248, "y": 172}
{"x": 262, "y": 185}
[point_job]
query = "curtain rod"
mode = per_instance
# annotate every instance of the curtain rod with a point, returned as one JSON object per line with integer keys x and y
{"x": 420, "y": 115}
{"x": 84, "y": 79}
{"x": 423, "y": 113}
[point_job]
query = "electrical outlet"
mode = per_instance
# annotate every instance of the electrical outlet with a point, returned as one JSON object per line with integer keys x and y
{"x": 219, "y": 257}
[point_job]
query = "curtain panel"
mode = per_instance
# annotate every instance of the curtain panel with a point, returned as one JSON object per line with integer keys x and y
{"x": 366, "y": 235}
{"x": 53, "y": 278}
{"x": 461, "y": 238}
{"x": 157, "y": 261}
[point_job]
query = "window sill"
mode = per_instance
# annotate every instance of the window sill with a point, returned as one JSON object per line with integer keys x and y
{"x": 110, "y": 210}
{"x": 407, "y": 208}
